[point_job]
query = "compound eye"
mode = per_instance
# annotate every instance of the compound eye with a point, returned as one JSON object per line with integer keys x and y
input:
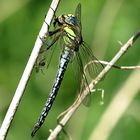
{"x": 71, "y": 20}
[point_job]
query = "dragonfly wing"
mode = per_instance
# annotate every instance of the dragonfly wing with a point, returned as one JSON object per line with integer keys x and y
{"x": 88, "y": 69}
{"x": 46, "y": 53}
{"x": 81, "y": 78}
{"x": 78, "y": 15}
{"x": 92, "y": 66}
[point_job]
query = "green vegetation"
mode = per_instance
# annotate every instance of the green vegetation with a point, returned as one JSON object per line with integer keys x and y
{"x": 104, "y": 24}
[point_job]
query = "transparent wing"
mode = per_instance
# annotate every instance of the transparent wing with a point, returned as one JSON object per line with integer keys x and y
{"x": 78, "y": 15}
{"x": 82, "y": 79}
{"x": 92, "y": 66}
{"x": 45, "y": 54}
{"x": 89, "y": 68}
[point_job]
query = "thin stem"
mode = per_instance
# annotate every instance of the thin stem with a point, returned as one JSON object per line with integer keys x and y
{"x": 114, "y": 66}
{"x": 27, "y": 72}
{"x": 122, "y": 99}
{"x": 92, "y": 85}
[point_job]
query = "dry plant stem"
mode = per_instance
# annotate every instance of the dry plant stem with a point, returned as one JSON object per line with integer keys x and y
{"x": 115, "y": 66}
{"x": 27, "y": 72}
{"x": 92, "y": 85}
{"x": 122, "y": 99}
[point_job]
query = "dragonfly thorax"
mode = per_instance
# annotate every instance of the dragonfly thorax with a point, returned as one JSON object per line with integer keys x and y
{"x": 70, "y": 30}
{"x": 71, "y": 39}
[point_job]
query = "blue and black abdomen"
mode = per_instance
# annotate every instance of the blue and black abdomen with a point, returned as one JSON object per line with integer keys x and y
{"x": 64, "y": 60}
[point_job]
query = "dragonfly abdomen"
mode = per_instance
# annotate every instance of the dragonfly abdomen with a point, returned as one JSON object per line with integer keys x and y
{"x": 64, "y": 60}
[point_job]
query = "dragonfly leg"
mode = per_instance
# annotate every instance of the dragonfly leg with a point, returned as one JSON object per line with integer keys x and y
{"x": 48, "y": 45}
{"x": 53, "y": 11}
{"x": 53, "y": 42}
{"x": 42, "y": 39}
{"x": 51, "y": 33}
{"x": 54, "y": 17}
{"x": 46, "y": 22}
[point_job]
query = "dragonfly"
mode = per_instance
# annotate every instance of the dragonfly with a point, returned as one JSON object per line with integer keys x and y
{"x": 68, "y": 29}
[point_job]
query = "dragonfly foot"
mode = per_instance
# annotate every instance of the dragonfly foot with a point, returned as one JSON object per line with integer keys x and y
{"x": 53, "y": 11}
{"x": 42, "y": 39}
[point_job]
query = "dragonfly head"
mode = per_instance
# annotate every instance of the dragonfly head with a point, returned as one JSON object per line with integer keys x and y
{"x": 70, "y": 19}
{"x": 65, "y": 19}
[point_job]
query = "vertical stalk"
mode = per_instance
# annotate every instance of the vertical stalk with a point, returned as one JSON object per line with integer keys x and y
{"x": 27, "y": 72}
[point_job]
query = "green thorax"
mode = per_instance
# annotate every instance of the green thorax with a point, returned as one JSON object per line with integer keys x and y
{"x": 70, "y": 31}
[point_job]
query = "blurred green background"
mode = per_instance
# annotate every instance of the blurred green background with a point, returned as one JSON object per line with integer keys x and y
{"x": 105, "y": 22}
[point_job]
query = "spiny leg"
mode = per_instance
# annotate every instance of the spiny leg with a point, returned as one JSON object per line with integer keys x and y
{"x": 53, "y": 42}
{"x": 51, "y": 33}
{"x": 43, "y": 38}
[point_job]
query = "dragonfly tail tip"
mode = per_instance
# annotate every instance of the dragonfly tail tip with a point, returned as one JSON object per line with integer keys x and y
{"x": 35, "y": 129}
